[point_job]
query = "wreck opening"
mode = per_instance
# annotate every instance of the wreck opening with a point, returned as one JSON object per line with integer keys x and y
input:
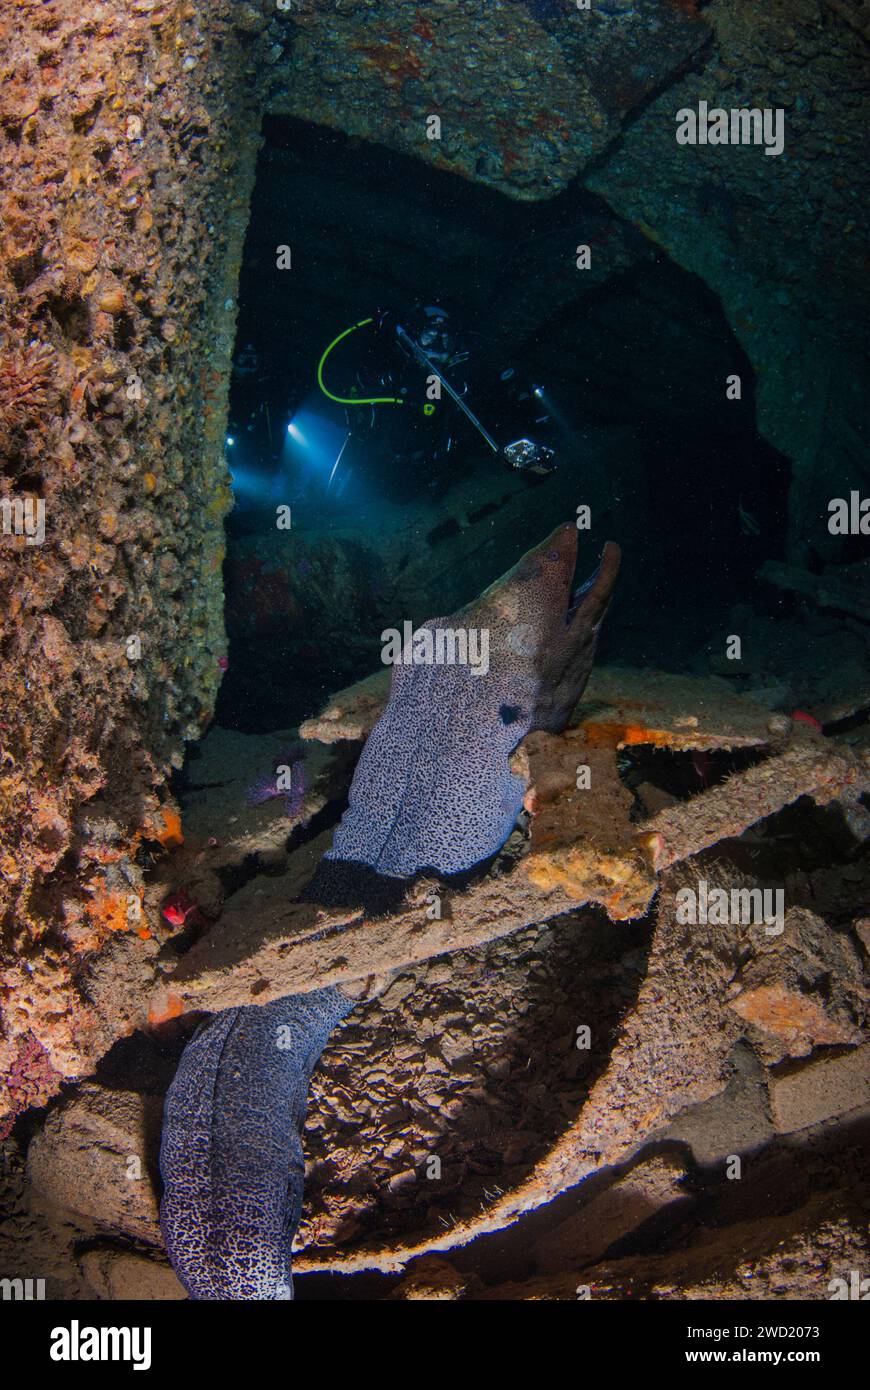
{"x": 339, "y": 527}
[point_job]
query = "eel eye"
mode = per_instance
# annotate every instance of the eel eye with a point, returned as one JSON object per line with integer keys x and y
{"x": 509, "y": 714}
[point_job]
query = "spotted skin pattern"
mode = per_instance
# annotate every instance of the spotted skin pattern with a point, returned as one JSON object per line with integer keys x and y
{"x": 432, "y": 789}
{"x": 231, "y": 1155}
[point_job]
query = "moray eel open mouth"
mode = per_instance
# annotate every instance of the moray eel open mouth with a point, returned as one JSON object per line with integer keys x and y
{"x": 563, "y": 618}
{"x": 577, "y": 595}
{"x": 562, "y": 550}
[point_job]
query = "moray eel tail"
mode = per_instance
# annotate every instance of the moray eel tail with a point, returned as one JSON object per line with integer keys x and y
{"x": 231, "y": 1153}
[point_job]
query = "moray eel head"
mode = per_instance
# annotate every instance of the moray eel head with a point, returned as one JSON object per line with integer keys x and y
{"x": 557, "y": 624}
{"x": 433, "y": 788}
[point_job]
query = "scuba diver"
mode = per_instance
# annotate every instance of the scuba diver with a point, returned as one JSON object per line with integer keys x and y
{"x": 409, "y": 397}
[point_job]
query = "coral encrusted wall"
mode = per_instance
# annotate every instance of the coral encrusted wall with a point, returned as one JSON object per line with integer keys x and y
{"x": 128, "y": 138}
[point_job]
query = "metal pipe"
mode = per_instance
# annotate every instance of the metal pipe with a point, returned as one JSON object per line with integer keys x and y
{"x": 337, "y": 460}
{"x": 420, "y": 357}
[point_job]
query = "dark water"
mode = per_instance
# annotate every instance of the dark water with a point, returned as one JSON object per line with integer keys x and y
{"x": 628, "y": 374}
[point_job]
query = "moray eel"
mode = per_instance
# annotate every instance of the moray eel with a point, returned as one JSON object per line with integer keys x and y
{"x": 231, "y": 1152}
{"x": 433, "y": 790}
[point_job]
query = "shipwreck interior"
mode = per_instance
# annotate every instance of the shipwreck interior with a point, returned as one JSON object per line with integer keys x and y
{"x": 216, "y": 219}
